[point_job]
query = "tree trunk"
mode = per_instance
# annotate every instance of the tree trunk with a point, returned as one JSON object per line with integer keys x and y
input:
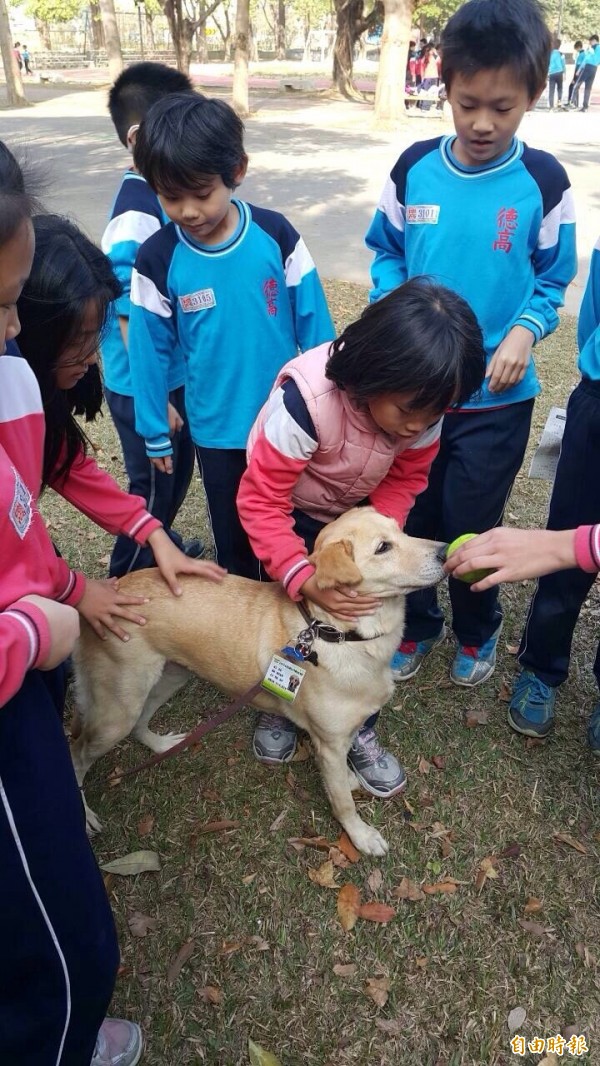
{"x": 111, "y": 36}
{"x": 97, "y": 27}
{"x": 281, "y": 29}
{"x": 239, "y": 95}
{"x": 14, "y": 86}
{"x": 150, "y": 31}
{"x": 43, "y": 32}
{"x": 391, "y": 77}
{"x": 351, "y": 21}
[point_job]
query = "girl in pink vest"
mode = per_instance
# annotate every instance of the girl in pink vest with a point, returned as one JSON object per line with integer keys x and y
{"x": 352, "y": 422}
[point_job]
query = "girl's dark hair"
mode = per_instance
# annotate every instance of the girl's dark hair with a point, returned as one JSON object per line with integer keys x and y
{"x": 420, "y": 338}
{"x": 489, "y": 34}
{"x": 18, "y": 197}
{"x": 137, "y": 88}
{"x": 68, "y": 273}
{"x": 185, "y": 137}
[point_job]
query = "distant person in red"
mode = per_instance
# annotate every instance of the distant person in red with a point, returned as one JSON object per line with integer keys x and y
{"x": 17, "y": 56}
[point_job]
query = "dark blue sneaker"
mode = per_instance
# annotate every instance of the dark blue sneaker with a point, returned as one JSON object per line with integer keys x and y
{"x": 471, "y": 666}
{"x": 531, "y": 710}
{"x": 593, "y": 730}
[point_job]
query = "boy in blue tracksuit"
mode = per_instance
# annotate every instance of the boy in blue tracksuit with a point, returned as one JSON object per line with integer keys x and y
{"x": 573, "y": 94}
{"x": 136, "y": 214}
{"x": 556, "y": 71}
{"x": 486, "y": 215}
{"x": 546, "y": 643}
{"x": 234, "y": 285}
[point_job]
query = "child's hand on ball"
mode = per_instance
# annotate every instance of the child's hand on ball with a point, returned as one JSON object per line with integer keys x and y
{"x": 459, "y": 566}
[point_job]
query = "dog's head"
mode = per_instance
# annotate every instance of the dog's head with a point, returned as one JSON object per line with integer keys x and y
{"x": 363, "y": 548}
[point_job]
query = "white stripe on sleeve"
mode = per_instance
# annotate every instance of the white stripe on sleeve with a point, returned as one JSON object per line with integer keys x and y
{"x": 390, "y": 207}
{"x": 298, "y": 264}
{"x": 284, "y": 434}
{"x": 145, "y": 294}
{"x": 134, "y": 226}
{"x": 564, "y": 212}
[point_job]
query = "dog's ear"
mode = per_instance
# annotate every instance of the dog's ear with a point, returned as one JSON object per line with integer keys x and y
{"x": 334, "y": 565}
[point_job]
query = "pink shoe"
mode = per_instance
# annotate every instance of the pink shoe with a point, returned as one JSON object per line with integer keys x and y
{"x": 119, "y": 1043}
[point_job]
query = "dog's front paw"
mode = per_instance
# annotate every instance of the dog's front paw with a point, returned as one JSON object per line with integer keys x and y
{"x": 93, "y": 824}
{"x": 369, "y": 840}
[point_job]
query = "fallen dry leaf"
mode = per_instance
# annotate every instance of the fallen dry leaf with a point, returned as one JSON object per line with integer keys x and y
{"x": 248, "y": 879}
{"x": 324, "y": 875}
{"x": 475, "y": 718}
{"x": 409, "y": 890}
{"x": 512, "y": 851}
{"x": 348, "y": 906}
{"x": 280, "y": 819}
{"x": 424, "y": 766}
{"x": 216, "y": 827}
{"x": 146, "y": 825}
{"x": 445, "y": 887}
{"x": 534, "y": 742}
{"x": 338, "y": 858}
{"x": 210, "y": 794}
{"x": 535, "y": 928}
{"x": 375, "y": 880}
{"x": 210, "y": 994}
{"x": 311, "y": 842}
{"x": 136, "y": 862}
{"x": 378, "y": 989}
{"x": 549, "y": 1060}
{"x": 260, "y": 1057}
{"x": 345, "y": 969}
{"x": 512, "y": 649}
{"x": 229, "y": 947}
{"x": 391, "y": 1026}
{"x": 516, "y": 1019}
{"x": 584, "y": 954}
{"x": 141, "y": 924}
{"x": 486, "y": 870}
{"x": 421, "y": 962}
{"x": 346, "y": 845}
{"x": 185, "y": 953}
{"x": 533, "y": 906}
{"x": 566, "y": 838}
{"x": 504, "y": 692}
{"x": 439, "y": 761}
{"x": 259, "y": 943}
{"x": 302, "y": 753}
{"x": 377, "y": 912}
{"x": 109, "y": 883}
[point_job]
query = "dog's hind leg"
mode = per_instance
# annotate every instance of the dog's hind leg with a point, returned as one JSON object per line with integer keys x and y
{"x": 172, "y": 679}
{"x": 334, "y": 771}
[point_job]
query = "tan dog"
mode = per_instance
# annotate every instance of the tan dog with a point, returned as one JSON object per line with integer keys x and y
{"x": 228, "y": 633}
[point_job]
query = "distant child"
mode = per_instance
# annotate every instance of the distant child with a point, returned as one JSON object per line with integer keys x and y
{"x": 136, "y": 214}
{"x": 557, "y": 68}
{"x": 26, "y": 59}
{"x": 573, "y": 95}
{"x": 352, "y": 422}
{"x": 17, "y": 57}
{"x": 492, "y": 218}
{"x": 588, "y": 70}
{"x": 233, "y": 284}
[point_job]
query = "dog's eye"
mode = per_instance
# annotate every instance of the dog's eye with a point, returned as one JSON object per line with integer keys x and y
{"x": 383, "y": 547}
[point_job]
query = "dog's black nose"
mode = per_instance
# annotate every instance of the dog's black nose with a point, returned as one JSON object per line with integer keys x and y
{"x": 442, "y": 553}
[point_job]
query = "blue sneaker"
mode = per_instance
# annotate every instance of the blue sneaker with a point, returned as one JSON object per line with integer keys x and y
{"x": 408, "y": 659}
{"x": 593, "y": 730}
{"x": 471, "y": 666}
{"x": 531, "y": 710}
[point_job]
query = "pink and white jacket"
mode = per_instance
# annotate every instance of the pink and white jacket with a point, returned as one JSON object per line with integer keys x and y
{"x": 314, "y": 449}
{"x": 29, "y": 564}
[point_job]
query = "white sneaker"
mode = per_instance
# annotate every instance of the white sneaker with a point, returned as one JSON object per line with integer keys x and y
{"x": 119, "y": 1043}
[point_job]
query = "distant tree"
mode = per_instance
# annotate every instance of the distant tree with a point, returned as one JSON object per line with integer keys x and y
{"x": 14, "y": 85}
{"x": 185, "y": 19}
{"x": 352, "y": 20}
{"x": 241, "y": 54}
{"x": 112, "y": 39}
{"x": 391, "y": 76}
{"x": 54, "y": 10}
{"x": 224, "y": 27}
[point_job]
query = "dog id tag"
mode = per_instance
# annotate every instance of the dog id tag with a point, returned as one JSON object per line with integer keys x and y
{"x": 283, "y": 678}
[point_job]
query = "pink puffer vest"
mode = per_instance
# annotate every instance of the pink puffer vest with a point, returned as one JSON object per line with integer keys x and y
{"x": 354, "y": 454}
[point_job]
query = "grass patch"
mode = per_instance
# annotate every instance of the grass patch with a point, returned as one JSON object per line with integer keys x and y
{"x": 268, "y": 938}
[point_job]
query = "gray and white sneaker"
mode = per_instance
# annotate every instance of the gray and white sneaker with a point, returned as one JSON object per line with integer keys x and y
{"x": 275, "y": 739}
{"x": 119, "y": 1043}
{"x": 378, "y": 771}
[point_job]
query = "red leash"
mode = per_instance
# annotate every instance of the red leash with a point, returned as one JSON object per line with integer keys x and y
{"x": 200, "y": 731}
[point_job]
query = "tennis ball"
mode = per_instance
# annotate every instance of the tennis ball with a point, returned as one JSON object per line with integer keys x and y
{"x": 473, "y": 575}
